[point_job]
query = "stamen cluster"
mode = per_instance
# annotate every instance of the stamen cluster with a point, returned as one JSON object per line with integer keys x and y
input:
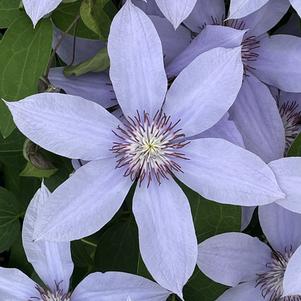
{"x": 291, "y": 118}
{"x": 271, "y": 282}
{"x": 149, "y": 148}
{"x": 47, "y": 295}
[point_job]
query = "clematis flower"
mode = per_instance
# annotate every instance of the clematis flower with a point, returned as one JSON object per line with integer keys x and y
{"x": 240, "y": 9}
{"x": 266, "y": 60}
{"x": 150, "y": 148}
{"x": 254, "y": 270}
{"x": 53, "y": 263}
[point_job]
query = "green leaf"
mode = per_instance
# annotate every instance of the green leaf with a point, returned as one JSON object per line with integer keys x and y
{"x": 10, "y": 212}
{"x": 295, "y": 149}
{"x": 65, "y": 14}
{"x": 9, "y": 11}
{"x": 210, "y": 218}
{"x": 7, "y": 124}
{"x": 24, "y": 55}
{"x": 31, "y": 171}
{"x": 95, "y": 14}
{"x": 97, "y": 63}
{"x": 118, "y": 249}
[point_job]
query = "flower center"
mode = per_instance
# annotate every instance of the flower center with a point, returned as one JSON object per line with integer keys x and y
{"x": 291, "y": 118}
{"x": 47, "y": 295}
{"x": 271, "y": 281}
{"x": 249, "y": 45}
{"x": 149, "y": 149}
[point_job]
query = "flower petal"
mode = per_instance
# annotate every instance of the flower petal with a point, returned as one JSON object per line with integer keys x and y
{"x": 71, "y": 53}
{"x": 176, "y": 11}
{"x": 115, "y": 286}
{"x": 16, "y": 286}
{"x": 232, "y": 258}
{"x": 288, "y": 175}
{"x": 137, "y": 69}
{"x": 206, "y": 12}
{"x": 226, "y": 173}
{"x": 242, "y": 8}
{"x": 210, "y": 37}
{"x": 225, "y": 129}
{"x": 266, "y": 17}
{"x": 36, "y": 9}
{"x": 51, "y": 260}
{"x": 167, "y": 237}
{"x": 67, "y": 125}
{"x": 173, "y": 41}
{"x": 281, "y": 227}
{"x": 92, "y": 86}
{"x": 243, "y": 292}
{"x": 246, "y": 216}
{"x": 150, "y": 7}
{"x": 292, "y": 275}
{"x": 83, "y": 204}
{"x": 257, "y": 117}
{"x": 204, "y": 91}
{"x": 296, "y": 4}
{"x": 279, "y": 62}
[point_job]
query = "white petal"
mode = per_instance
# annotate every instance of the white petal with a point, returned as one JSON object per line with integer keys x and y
{"x": 288, "y": 175}
{"x": 92, "y": 86}
{"x": 244, "y": 292}
{"x": 292, "y": 275}
{"x": 84, "y": 203}
{"x": 36, "y": 9}
{"x": 226, "y": 173}
{"x": 281, "y": 227}
{"x": 115, "y": 286}
{"x": 51, "y": 260}
{"x": 16, "y": 286}
{"x": 257, "y": 117}
{"x": 206, "y": 12}
{"x": 279, "y": 63}
{"x": 232, "y": 258}
{"x": 210, "y": 37}
{"x": 204, "y": 91}
{"x": 67, "y": 125}
{"x": 296, "y": 4}
{"x": 242, "y": 8}
{"x": 137, "y": 69}
{"x": 173, "y": 41}
{"x": 246, "y": 216}
{"x": 167, "y": 237}
{"x": 176, "y": 11}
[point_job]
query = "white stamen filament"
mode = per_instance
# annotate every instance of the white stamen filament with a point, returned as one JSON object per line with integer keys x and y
{"x": 149, "y": 148}
{"x": 271, "y": 282}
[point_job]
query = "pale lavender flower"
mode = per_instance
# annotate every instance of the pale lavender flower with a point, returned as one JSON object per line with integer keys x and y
{"x": 150, "y": 147}
{"x": 266, "y": 59}
{"x": 53, "y": 263}
{"x": 242, "y": 8}
{"x": 253, "y": 269}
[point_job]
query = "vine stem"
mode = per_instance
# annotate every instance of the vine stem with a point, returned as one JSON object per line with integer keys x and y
{"x": 173, "y": 298}
{"x": 58, "y": 44}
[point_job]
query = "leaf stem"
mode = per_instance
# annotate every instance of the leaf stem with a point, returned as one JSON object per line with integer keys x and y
{"x": 89, "y": 243}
